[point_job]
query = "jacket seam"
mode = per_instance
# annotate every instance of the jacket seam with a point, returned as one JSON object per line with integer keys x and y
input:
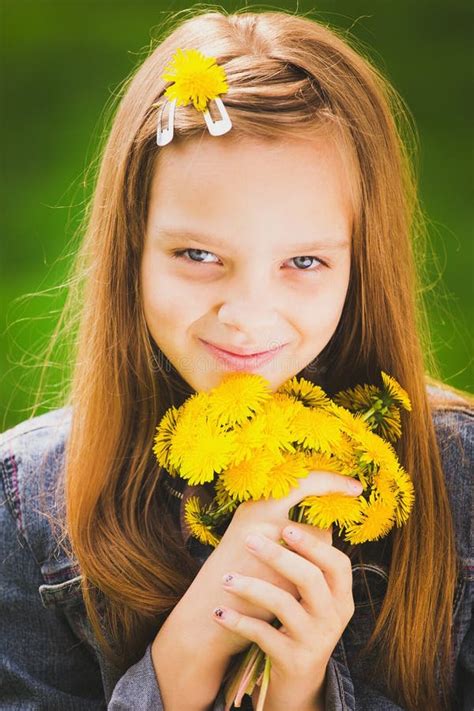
{"x": 9, "y": 498}
{"x": 19, "y": 532}
{"x": 11, "y": 510}
{"x": 340, "y": 684}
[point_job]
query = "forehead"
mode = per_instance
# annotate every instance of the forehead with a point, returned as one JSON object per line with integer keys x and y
{"x": 252, "y": 183}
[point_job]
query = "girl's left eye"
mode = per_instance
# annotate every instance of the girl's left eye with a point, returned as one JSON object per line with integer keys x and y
{"x": 303, "y": 260}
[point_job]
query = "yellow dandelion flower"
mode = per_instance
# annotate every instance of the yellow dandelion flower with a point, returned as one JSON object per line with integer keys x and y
{"x": 238, "y": 397}
{"x": 385, "y": 486}
{"x": 375, "y": 406}
{"x": 316, "y": 429}
{"x": 196, "y": 78}
{"x": 196, "y": 407}
{"x": 195, "y": 518}
{"x": 306, "y": 392}
{"x": 164, "y": 434}
{"x": 346, "y": 454}
{"x": 200, "y": 450}
{"x": 284, "y": 476}
{"x": 222, "y": 497}
{"x": 374, "y": 449}
{"x": 389, "y": 425}
{"x": 318, "y": 462}
{"x": 361, "y": 397}
{"x": 323, "y": 511}
{"x": 289, "y": 405}
{"x": 353, "y": 425}
{"x": 395, "y": 390}
{"x": 405, "y": 496}
{"x": 278, "y": 419}
{"x": 377, "y": 520}
{"x": 249, "y": 437}
{"x": 249, "y": 479}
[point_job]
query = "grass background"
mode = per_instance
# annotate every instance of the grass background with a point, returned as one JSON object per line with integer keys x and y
{"x": 63, "y": 60}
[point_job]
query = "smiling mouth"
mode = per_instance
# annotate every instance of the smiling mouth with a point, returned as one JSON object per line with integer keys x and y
{"x": 242, "y": 354}
{"x": 239, "y": 361}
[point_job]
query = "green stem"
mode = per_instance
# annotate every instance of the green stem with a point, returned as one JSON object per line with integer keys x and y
{"x": 368, "y": 414}
{"x": 223, "y": 508}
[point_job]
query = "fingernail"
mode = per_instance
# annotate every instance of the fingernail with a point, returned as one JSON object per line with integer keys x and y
{"x": 292, "y": 533}
{"x": 254, "y": 542}
{"x": 228, "y": 579}
{"x": 355, "y": 486}
{"x": 219, "y": 612}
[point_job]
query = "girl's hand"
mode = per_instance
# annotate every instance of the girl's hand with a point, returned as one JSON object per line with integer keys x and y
{"x": 174, "y": 647}
{"x": 267, "y": 517}
{"x": 312, "y": 624}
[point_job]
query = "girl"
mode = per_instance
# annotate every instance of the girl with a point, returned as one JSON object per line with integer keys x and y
{"x": 290, "y": 234}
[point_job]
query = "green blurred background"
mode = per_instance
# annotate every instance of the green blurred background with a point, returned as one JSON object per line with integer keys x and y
{"x": 63, "y": 60}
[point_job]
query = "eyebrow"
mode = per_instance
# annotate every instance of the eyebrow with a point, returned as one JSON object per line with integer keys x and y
{"x": 176, "y": 235}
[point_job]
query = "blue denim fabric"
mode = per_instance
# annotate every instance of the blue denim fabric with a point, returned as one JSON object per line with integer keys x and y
{"x": 49, "y": 658}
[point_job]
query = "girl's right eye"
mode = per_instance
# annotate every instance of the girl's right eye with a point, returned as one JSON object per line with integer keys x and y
{"x": 179, "y": 253}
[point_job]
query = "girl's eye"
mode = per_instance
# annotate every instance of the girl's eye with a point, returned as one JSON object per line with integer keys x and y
{"x": 181, "y": 252}
{"x": 303, "y": 263}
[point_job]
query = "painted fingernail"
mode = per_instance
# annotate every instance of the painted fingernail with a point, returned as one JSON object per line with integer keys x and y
{"x": 292, "y": 533}
{"x": 228, "y": 579}
{"x": 355, "y": 486}
{"x": 254, "y": 542}
{"x": 219, "y": 612}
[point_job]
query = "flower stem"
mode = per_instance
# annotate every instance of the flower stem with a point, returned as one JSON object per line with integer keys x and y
{"x": 266, "y": 680}
{"x": 368, "y": 414}
{"x": 223, "y": 508}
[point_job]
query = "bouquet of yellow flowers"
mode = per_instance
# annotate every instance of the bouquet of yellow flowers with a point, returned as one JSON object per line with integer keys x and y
{"x": 251, "y": 443}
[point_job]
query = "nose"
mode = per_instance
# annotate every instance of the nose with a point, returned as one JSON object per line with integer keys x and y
{"x": 246, "y": 317}
{"x": 252, "y": 312}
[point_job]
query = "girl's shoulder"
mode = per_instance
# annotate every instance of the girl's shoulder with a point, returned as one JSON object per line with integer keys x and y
{"x": 32, "y": 458}
{"x": 453, "y": 418}
{"x": 31, "y": 464}
{"x": 36, "y": 432}
{"x": 452, "y": 412}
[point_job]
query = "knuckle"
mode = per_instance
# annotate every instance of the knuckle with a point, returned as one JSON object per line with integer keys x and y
{"x": 314, "y": 578}
{"x": 336, "y": 626}
{"x": 345, "y": 565}
{"x": 284, "y": 601}
{"x": 238, "y": 624}
{"x": 256, "y": 632}
{"x": 273, "y": 551}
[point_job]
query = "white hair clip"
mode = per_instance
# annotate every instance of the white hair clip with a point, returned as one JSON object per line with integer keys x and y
{"x": 197, "y": 79}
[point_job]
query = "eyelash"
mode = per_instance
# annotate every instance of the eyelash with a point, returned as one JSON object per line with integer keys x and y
{"x": 179, "y": 254}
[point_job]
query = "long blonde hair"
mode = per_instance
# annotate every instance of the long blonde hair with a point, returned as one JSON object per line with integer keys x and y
{"x": 288, "y": 75}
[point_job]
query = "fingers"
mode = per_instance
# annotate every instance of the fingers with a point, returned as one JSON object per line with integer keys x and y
{"x": 334, "y": 564}
{"x": 269, "y": 639}
{"x": 264, "y": 594}
{"x": 307, "y": 577}
{"x": 321, "y": 483}
{"x": 315, "y": 533}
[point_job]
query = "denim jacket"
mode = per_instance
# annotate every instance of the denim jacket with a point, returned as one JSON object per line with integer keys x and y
{"x": 50, "y": 659}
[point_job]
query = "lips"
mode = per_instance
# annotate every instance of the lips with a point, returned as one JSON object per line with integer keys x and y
{"x": 236, "y": 361}
{"x": 233, "y": 350}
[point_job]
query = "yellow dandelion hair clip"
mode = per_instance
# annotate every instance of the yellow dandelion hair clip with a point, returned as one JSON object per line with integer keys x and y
{"x": 196, "y": 79}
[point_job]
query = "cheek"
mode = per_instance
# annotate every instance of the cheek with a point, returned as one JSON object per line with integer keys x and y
{"x": 320, "y": 313}
{"x": 168, "y": 306}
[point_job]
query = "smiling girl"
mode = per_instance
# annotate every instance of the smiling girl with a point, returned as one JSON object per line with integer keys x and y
{"x": 282, "y": 247}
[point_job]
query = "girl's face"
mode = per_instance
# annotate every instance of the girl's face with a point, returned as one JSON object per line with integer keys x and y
{"x": 247, "y": 248}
